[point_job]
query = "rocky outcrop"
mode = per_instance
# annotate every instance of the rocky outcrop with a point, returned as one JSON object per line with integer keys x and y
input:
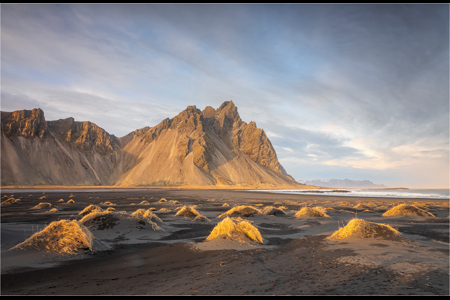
{"x": 85, "y": 136}
{"x": 64, "y": 152}
{"x": 26, "y": 123}
{"x": 196, "y": 148}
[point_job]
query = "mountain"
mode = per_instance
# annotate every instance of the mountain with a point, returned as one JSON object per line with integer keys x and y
{"x": 62, "y": 152}
{"x": 213, "y": 147}
{"x": 343, "y": 183}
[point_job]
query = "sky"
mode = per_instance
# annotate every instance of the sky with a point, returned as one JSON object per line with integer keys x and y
{"x": 343, "y": 91}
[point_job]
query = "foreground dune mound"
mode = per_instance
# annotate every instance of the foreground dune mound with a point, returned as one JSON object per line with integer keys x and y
{"x": 312, "y": 212}
{"x": 235, "y": 229}
{"x": 191, "y": 212}
{"x": 274, "y": 211}
{"x": 61, "y": 237}
{"x": 360, "y": 229}
{"x": 403, "y": 210}
{"x": 242, "y": 210}
{"x": 106, "y": 220}
{"x": 90, "y": 209}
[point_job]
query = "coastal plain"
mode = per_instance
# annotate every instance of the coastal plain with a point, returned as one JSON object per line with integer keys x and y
{"x": 297, "y": 257}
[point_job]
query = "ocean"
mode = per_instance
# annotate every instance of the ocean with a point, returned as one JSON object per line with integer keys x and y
{"x": 384, "y": 193}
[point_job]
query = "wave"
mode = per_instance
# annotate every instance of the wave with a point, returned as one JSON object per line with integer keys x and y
{"x": 390, "y": 193}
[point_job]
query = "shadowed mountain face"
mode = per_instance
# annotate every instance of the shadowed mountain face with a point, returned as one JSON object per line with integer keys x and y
{"x": 197, "y": 148}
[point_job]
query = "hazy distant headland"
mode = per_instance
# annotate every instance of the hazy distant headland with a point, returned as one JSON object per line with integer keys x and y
{"x": 343, "y": 183}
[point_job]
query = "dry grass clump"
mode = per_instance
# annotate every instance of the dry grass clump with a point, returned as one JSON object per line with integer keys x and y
{"x": 147, "y": 214}
{"x": 312, "y": 212}
{"x": 242, "y": 210}
{"x": 9, "y": 201}
{"x": 162, "y": 200}
{"x": 165, "y": 210}
{"x": 144, "y": 202}
{"x": 360, "y": 229}
{"x": 407, "y": 210}
{"x": 174, "y": 201}
{"x": 53, "y": 210}
{"x": 187, "y": 211}
{"x": 103, "y": 220}
{"x": 141, "y": 219}
{"x": 201, "y": 218}
{"x": 71, "y": 201}
{"x": 191, "y": 212}
{"x": 225, "y": 204}
{"x": 89, "y": 209}
{"x": 235, "y": 229}
{"x": 272, "y": 210}
{"x": 107, "y": 203}
{"x": 62, "y": 237}
{"x": 42, "y": 205}
{"x": 361, "y": 206}
{"x": 60, "y": 200}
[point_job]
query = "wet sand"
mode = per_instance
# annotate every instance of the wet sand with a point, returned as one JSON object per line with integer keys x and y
{"x": 296, "y": 257}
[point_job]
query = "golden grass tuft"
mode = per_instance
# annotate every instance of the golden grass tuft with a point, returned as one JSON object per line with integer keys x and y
{"x": 162, "y": 200}
{"x": 235, "y": 229}
{"x": 42, "y": 205}
{"x": 71, "y": 201}
{"x": 312, "y": 212}
{"x": 272, "y": 210}
{"x": 147, "y": 214}
{"x": 107, "y": 219}
{"x": 201, "y": 218}
{"x": 360, "y": 229}
{"x": 407, "y": 210}
{"x": 9, "y": 201}
{"x": 242, "y": 210}
{"x": 187, "y": 211}
{"x": 361, "y": 206}
{"x": 61, "y": 237}
{"x": 191, "y": 212}
{"x": 89, "y": 209}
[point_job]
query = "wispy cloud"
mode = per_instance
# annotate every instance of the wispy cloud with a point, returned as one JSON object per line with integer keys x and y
{"x": 356, "y": 88}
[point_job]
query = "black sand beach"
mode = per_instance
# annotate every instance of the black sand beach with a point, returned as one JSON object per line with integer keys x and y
{"x": 296, "y": 257}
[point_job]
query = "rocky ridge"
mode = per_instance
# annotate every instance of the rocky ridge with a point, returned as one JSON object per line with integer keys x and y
{"x": 196, "y": 148}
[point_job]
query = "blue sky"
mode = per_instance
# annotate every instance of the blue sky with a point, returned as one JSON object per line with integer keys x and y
{"x": 342, "y": 91}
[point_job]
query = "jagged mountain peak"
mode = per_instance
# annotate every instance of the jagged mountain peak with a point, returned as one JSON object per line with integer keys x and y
{"x": 197, "y": 148}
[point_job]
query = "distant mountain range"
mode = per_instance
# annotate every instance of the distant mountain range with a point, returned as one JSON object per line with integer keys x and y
{"x": 342, "y": 183}
{"x": 213, "y": 147}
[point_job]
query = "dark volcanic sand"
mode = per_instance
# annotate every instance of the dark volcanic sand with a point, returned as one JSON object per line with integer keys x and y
{"x": 172, "y": 266}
